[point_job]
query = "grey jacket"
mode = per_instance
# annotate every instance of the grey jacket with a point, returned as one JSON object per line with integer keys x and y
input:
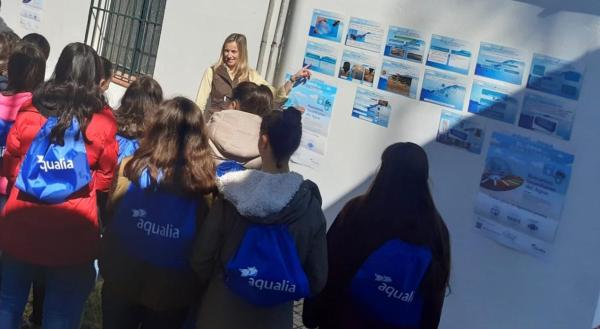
{"x": 257, "y": 197}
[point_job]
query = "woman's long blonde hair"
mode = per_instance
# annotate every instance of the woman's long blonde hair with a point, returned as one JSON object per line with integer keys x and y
{"x": 241, "y": 71}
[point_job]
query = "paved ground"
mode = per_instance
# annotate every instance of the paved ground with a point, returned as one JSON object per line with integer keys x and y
{"x": 298, "y": 316}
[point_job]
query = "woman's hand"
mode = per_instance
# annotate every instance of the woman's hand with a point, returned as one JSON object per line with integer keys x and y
{"x": 304, "y": 73}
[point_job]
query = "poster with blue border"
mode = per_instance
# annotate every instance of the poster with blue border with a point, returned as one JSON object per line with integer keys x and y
{"x": 399, "y": 78}
{"x": 405, "y": 44}
{"x": 326, "y": 25}
{"x": 321, "y": 57}
{"x": 501, "y": 63}
{"x": 372, "y": 107}
{"x": 364, "y": 34}
{"x": 493, "y": 101}
{"x": 444, "y": 89}
{"x": 555, "y": 76}
{"x": 450, "y": 54}
{"x": 357, "y": 67}
{"x": 547, "y": 115}
{"x": 461, "y": 131}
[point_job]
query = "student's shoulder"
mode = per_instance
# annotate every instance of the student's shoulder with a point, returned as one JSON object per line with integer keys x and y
{"x": 104, "y": 122}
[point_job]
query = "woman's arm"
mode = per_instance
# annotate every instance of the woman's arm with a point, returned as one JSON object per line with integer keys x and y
{"x": 205, "y": 89}
{"x": 280, "y": 94}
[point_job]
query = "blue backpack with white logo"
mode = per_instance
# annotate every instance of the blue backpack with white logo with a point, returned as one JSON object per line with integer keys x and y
{"x": 127, "y": 147}
{"x": 154, "y": 225}
{"x": 51, "y": 172}
{"x": 386, "y": 285}
{"x": 266, "y": 269}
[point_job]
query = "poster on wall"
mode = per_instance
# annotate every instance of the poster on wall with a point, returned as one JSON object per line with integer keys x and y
{"x": 501, "y": 63}
{"x": 548, "y": 115}
{"x": 357, "y": 67}
{"x": 494, "y": 101}
{"x": 321, "y": 57}
{"x": 317, "y": 98}
{"x": 399, "y": 78}
{"x": 371, "y": 106}
{"x": 31, "y": 14}
{"x": 326, "y": 25}
{"x": 555, "y": 76}
{"x": 461, "y": 131}
{"x": 450, "y": 54}
{"x": 405, "y": 44}
{"x": 444, "y": 89}
{"x": 364, "y": 34}
{"x": 522, "y": 191}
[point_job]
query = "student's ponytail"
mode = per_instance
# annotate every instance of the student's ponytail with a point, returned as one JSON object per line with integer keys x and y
{"x": 284, "y": 129}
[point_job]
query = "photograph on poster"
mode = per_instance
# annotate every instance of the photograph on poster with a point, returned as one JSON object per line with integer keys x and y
{"x": 321, "y": 57}
{"x": 372, "y": 107}
{"x": 399, "y": 78}
{"x": 461, "y": 131}
{"x": 501, "y": 63}
{"x": 405, "y": 44}
{"x": 555, "y": 76}
{"x": 326, "y": 25}
{"x": 444, "y": 89}
{"x": 493, "y": 101}
{"x": 450, "y": 54}
{"x": 31, "y": 14}
{"x": 317, "y": 98}
{"x": 364, "y": 34}
{"x": 548, "y": 115}
{"x": 357, "y": 67}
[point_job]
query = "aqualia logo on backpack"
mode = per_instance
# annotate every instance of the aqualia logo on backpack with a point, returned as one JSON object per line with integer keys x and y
{"x": 252, "y": 272}
{"x": 385, "y": 286}
{"x": 168, "y": 231}
{"x": 61, "y": 164}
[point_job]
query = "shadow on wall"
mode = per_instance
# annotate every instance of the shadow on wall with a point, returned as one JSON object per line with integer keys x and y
{"x": 550, "y": 7}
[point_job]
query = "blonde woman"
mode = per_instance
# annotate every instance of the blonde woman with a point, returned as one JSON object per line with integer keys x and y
{"x": 232, "y": 68}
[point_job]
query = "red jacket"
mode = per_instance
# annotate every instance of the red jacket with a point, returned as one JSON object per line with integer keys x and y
{"x": 58, "y": 234}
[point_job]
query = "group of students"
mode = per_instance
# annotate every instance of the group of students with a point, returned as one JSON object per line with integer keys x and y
{"x": 191, "y": 208}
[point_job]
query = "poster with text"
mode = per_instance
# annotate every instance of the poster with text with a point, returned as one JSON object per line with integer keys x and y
{"x": 364, "y": 34}
{"x": 493, "y": 101}
{"x": 522, "y": 192}
{"x": 501, "y": 63}
{"x": 555, "y": 76}
{"x": 405, "y": 44}
{"x": 357, "y": 67}
{"x": 317, "y": 98}
{"x": 450, "y": 54}
{"x": 326, "y": 25}
{"x": 461, "y": 131}
{"x": 548, "y": 115}
{"x": 321, "y": 57}
{"x": 31, "y": 14}
{"x": 371, "y": 106}
{"x": 444, "y": 89}
{"x": 399, "y": 78}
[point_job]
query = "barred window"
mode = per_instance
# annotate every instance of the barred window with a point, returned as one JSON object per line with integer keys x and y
{"x": 126, "y": 32}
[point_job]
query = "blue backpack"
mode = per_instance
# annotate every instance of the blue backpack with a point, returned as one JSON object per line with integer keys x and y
{"x": 266, "y": 269}
{"x": 50, "y": 172}
{"x": 229, "y": 166}
{"x": 126, "y": 147}
{"x": 386, "y": 285}
{"x": 155, "y": 226}
{"x": 5, "y": 126}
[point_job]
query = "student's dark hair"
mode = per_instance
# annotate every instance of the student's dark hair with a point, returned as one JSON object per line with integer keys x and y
{"x": 284, "y": 129}
{"x": 176, "y": 145}
{"x": 40, "y": 41}
{"x": 8, "y": 40}
{"x": 107, "y": 68}
{"x": 72, "y": 91}
{"x": 253, "y": 98}
{"x": 140, "y": 101}
{"x": 26, "y": 68}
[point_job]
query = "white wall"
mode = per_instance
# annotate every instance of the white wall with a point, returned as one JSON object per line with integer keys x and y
{"x": 492, "y": 286}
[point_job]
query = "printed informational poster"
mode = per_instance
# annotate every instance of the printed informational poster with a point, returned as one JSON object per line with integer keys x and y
{"x": 321, "y": 57}
{"x": 372, "y": 107}
{"x": 405, "y": 44}
{"x": 357, "y": 67}
{"x": 399, "y": 78}
{"x": 450, "y": 54}
{"x": 501, "y": 63}
{"x": 326, "y": 25}
{"x": 548, "y": 115}
{"x": 317, "y": 98}
{"x": 555, "y": 76}
{"x": 493, "y": 101}
{"x": 364, "y": 34}
{"x": 522, "y": 192}
{"x": 444, "y": 89}
{"x": 461, "y": 131}
{"x": 31, "y": 14}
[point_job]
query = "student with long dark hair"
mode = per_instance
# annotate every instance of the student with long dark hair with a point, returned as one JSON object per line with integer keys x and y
{"x": 148, "y": 281}
{"x": 61, "y": 237}
{"x": 399, "y": 208}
